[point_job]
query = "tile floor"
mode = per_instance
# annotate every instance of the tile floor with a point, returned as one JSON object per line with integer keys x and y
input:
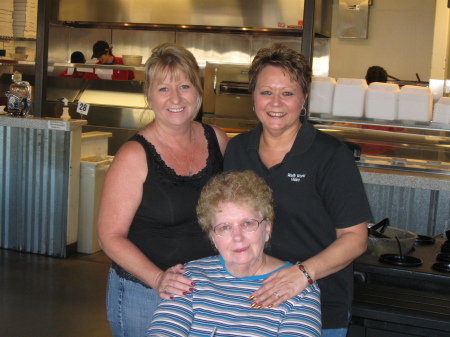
{"x": 45, "y": 296}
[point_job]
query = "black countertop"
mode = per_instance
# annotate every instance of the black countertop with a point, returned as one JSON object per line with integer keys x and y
{"x": 369, "y": 269}
{"x": 393, "y": 300}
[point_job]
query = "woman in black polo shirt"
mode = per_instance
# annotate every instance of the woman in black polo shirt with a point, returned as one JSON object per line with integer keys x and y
{"x": 321, "y": 206}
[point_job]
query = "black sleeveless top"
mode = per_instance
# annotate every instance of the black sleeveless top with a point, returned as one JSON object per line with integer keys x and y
{"x": 165, "y": 226}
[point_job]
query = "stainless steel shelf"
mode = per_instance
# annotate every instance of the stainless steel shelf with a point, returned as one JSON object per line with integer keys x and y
{"x": 8, "y": 38}
{"x": 72, "y": 65}
{"x": 405, "y": 168}
{"x": 290, "y": 31}
{"x": 327, "y": 118}
{"x": 96, "y": 66}
{"x": 12, "y": 63}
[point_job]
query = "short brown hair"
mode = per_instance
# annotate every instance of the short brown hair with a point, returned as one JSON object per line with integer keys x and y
{"x": 376, "y": 74}
{"x": 289, "y": 60}
{"x": 244, "y": 187}
{"x": 174, "y": 60}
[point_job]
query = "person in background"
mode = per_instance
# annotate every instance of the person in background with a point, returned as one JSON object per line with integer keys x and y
{"x": 102, "y": 51}
{"x": 376, "y": 74}
{"x": 321, "y": 206}
{"x": 147, "y": 223}
{"x": 236, "y": 211}
{"x": 75, "y": 57}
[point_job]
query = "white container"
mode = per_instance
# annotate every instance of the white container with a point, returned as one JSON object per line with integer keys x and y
{"x": 94, "y": 143}
{"x": 321, "y": 96}
{"x": 382, "y": 101}
{"x": 349, "y": 95}
{"x": 415, "y": 103}
{"x": 92, "y": 176}
{"x": 441, "y": 112}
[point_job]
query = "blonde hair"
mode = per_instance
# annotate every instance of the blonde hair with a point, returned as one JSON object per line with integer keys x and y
{"x": 169, "y": 59}
{"x": 289, "y": 60}
{"x": 244, "y": 187}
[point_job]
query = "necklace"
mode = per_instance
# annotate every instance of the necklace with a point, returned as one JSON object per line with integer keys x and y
{"x": 190, "y": 172}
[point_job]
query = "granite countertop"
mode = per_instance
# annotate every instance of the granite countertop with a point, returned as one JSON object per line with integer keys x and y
{"x": 429, "y": 181}
{"x": 41, "y": 123}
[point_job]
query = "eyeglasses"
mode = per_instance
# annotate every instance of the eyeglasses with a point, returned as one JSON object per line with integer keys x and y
{"x": 246, "y": 225}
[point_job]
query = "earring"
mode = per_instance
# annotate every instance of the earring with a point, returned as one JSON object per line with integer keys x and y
{"x": 253, "y": 108}
{"x": 303, "y": 112}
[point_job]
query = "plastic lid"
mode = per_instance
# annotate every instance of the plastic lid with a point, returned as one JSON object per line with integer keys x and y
{"x": 384, "y": 86}
{"x": 352, "y": 81}
{"x": 415, "y": 89}
{"x": 444, "y": 100}
{"x": 321, "y": 79}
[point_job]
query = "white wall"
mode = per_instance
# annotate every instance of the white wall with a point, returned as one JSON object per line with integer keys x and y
{"x": 400, "y": 39}
{"x": 440, "y": 57}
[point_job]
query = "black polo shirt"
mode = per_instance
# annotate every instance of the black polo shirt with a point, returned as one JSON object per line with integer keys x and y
{"x": 317, "y": 189}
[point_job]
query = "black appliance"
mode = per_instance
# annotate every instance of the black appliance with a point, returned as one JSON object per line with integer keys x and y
{"x": 397, "y": 301}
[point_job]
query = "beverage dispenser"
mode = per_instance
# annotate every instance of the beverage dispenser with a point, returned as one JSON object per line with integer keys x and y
{"x": 19, "y": 96}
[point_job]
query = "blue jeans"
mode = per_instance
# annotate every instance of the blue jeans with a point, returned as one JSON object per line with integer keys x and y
{"x": 129, "y": 306}
{"x": 334, "y": 332}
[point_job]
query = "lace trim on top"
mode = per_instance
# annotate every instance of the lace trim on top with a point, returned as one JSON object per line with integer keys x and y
{"x": 168, "y": 174}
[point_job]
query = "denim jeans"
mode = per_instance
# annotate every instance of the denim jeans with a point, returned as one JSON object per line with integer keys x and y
{"x": 334, "y": 332}
{"x": 129, "y": 306}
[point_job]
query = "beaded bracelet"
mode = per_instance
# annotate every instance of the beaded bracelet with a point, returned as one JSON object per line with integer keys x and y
{"x": 302, "y": 268}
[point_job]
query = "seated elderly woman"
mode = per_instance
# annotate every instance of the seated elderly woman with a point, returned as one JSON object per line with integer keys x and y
{"x": 236, "y": 210}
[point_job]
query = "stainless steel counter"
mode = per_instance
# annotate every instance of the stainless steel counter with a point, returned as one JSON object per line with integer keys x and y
{"x": 30, "y": 122}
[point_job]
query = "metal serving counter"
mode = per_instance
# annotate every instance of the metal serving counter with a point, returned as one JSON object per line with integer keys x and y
{"x": 414, "y": 148}
{"x": 405, "y": 170}
{"x": 118, "y": 107}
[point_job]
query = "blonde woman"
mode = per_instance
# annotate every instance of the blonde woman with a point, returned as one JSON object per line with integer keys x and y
{"x": 147, "y": 222}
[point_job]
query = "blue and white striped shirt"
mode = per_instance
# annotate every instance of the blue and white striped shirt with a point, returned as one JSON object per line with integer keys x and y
{"x": 220, "y": 303}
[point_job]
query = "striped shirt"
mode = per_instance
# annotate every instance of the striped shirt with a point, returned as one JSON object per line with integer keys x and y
{"x": 220, "y": 306}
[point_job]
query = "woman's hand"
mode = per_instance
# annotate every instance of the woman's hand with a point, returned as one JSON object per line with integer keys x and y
{"x": 171, "y": 282}
{"x": 279, "y": 287}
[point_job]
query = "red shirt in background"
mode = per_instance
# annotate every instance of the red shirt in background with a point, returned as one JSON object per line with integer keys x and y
{"x": 75, "y": 74}
{"x": 118, "y": 74}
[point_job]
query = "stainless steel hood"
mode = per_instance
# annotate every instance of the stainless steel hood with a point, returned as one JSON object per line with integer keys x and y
{"x": 269, "y": 14}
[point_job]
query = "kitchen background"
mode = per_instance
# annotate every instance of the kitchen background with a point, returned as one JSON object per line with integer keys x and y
{"x": 407, "y": 37}
{"x": 401, "y": 36}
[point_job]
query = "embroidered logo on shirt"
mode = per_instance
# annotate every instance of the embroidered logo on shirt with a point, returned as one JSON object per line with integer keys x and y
{"x": 296, "y": 177}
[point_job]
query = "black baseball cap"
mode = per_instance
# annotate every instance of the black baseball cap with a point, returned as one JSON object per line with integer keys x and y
{"x": 99, "y": 49}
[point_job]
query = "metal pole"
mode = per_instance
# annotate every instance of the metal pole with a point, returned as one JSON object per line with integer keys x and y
{"x": 308, "y": 29}
{"x": 40, "y": 85}
{"x": 308, "y": 37}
